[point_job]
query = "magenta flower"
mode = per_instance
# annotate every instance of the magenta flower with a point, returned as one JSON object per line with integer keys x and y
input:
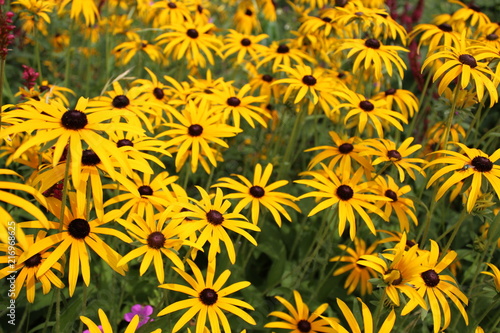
{"x": 143, "y": 311}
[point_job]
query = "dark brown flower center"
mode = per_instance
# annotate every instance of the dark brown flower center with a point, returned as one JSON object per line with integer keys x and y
{"x": 74, "y": 120}
{"x": 214, "y": 217}
{"x": 184, "y": 209}
{"x": 233, "y": 101}
{"x": 156, "y": 240}
{"x": 248, "y": 12}
{"x": 246, "y": 42}
{"x": 309, "y": 80}
{"x": 172, "y": 5}
{"x": 200, "y": 9}
{"x": 124, "y": 142}
{"x": 33, "y": 261}
{"x": 192, "y": 33}
{"x": 44, "y": 88}
{"x": 304, "y": 326}
{"x": 90, "y": 158}
{"x": 372, "y": 43}
{"x": 145, "y": 190}
{"x": 341, "y": 3}
{"x": 345, "y": 192}
{"x": 482, "y": 164}
{"x": 195, "y": 130}
{"x": 391, "y": 91}
{"x": 445, "y": 27}
{"x": 79, "y": 228}
{"x": 492, "y": 37}
{"x": 391, "y": 194}
{"x": 431, "y": 278}
{"x": 394, "y": 155}
{"x": 257, "y": 191}
{"x": 366, "y": 106}
{"x": 346, "y": 148}
{"x": 120, "y": 101}
{"x": 467, "y": 59}
{"x": 326, "y": 19}
{"x": 208, "y": 296}
{"x": 282, "y": 48}
{"x": 158, "y": 93}
{"x": 267, "y": 78}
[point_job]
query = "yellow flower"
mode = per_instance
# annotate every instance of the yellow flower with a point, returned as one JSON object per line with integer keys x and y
{"x": 198, "y": 126}
{"x": 386, "y": 151}
{"x": 125, "y": 51}
{"x": 346, "y": 195}
{"x": 495, "y": 275}
{"x": 243, "y": 44}
{"x": 283, "y": 54}
{"x": 300, "y": 319}
{"x": 259, "y": 193}
{"x": 208, "y": 299}
{"x": 213, "y": 220}
{"x": 359, "y": 275}
{"x": 405, "y": 100}
{"x": 471, "y": 12}
{"x": 28, "y": 270}
{"x": 474, "y": 163}
{"x": 86, "y": 7}
{"x": 106, "y": 327}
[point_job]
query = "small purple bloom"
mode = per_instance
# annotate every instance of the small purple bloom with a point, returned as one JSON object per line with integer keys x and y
{"x": 143, "y": 311}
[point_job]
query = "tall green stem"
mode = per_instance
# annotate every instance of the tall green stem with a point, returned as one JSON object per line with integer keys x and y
{"x": 461, "y": 219}
{"x": 291, "y": 143}
{"x": 450, "y": 115}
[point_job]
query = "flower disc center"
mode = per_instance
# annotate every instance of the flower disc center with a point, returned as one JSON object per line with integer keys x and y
{"x": 445, "y": 27}
{"x": 346, "y": 148}
{"x": 304, "y": 326}
{"x": 246, "y": 42}
{"x": 195, "y": 130}
{"x": 79, "y": 228}
{"x": 120, "y": 101}
{"x": 309, "y": 80}
{"x": 33, "y": 261}
{"x": 208, "y": 296}
{"x": 390, "y": 91}
{"x": 257, "y": 191}
{"x": 394, "y": 155}
{"x": 345, "y": 192}
{"x": 282, "y": 48}
{"x": 192, "y": 33}
{"x": 158, "y": 93}
{"x": 156, "y": 240}
{"x": 431, "y": 278}
{"x": 366, "y": 106}
{"x": 372, "y": 43}
{"x": 90, "y": 158}
{"x": 145, "y": 190}
{"x": 124, "y": 142}
{"x": 391, "y": 194}
{"x": 482, "y": 164}
{"x": 467, "y": 59}
{"x": 233, "y": 101}
{"x": 214, "y": 217}
{"x": 74, "y": 120}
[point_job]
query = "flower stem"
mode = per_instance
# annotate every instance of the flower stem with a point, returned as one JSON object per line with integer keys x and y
{"x": 285, "y": 164}
{"x": 450, "y": 115}
{"x": 378, "y": 310}
{"x": 461, "y": 219}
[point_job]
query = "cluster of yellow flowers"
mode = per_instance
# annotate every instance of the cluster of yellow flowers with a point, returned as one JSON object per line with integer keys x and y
{"x": 208, "y": 88}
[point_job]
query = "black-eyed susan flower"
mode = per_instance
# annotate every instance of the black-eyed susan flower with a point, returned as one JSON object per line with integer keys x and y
{"x": 436, "y": 132}
{"x": 342, "y": 152}
{"x": 158, "y": 238}
{"x": 435, "y": 35}
{"x": 34, "y": 14}
{"x": 368, "y": 324}
{"x": 369, "y": 111}
{"x": 263, "y": 83}
{"x": 469, "y": 63}
{"x": 196, "y": 43}
{"x": 374, "y": 56}
{"x": 259, "y": 193}
{"x": 208, "y": 299}
{"x": 198, "y": 126}
{"x": 347, "y": 195}
{"x": 143, "y": 194}
{"x": 313, "y": 84}
{"x": 436, "y": 287}
{"x": 403, "y": 99}
{"x": 358, "y": 275}
{"x": 495, "y": 275}
{"x": 284, "y": 54}
{"x": 386, "y": 151}
{"x": 27, "y": 271}
{"x": 105, "y": 325}
{"x": 398, "y": 271}
{"x": 471, "y": 13}
{"x": 212, "y": 220}
{"x": 300, "y": 318}
{"x": 403, "y": 207}
{"x": 245, "y": 18}
{"x": 168, "y": 12}
{"x": 126, "y": 51}
{"x": 243, "y": 44}
{"x": 129, "y": 105}
{"x": 473, "y": 162}
{"x": 76, "y": 234}
{"x": 239, "y": 105}
{"x": 54, "y": 122}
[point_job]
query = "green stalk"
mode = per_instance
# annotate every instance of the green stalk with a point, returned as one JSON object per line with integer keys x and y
{"x": 421, "y": 105}
{"x": 291, "y": 143}
{"x": 378, "y": 310}
{"x": 84, "y": 306}
{"x": 37, "y": 56}
{"x": 478, "y": 321}
{"x": 477, "y": 118}
{"x": 461, "y": 219}
{"x": 450, "y": 115}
